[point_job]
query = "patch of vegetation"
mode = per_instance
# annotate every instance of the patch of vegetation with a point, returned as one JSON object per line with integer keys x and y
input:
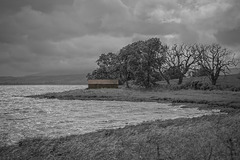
{"x": 225, "y": 83}
{"x": 207, "y": 137}
{"x": 147, "y": 62}
{"x": 217, "y": 99}
{"x": 201, "y": 85}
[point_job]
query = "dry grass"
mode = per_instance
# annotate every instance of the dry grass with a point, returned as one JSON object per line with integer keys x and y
{"x": 208, "y": 137}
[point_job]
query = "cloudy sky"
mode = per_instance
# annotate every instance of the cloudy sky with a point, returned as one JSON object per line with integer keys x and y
{"x": 54, "y": 36}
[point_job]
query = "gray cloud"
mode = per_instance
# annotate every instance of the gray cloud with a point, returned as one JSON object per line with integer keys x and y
{"x": 229, "y": 37}
{"x": 59, "y": 35}
{"x": 229, "y": 31}
{"x": 12, "y": 6}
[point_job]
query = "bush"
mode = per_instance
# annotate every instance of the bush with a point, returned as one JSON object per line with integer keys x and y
{"x": 197, "y": 85}
{"x": 235, "y": 89}
{"x": 200, "y": 85}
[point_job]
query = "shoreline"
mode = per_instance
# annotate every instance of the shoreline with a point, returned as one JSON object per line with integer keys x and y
{"x": 226, "y": 101}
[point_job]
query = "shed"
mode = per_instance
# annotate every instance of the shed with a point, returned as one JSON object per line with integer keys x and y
{"x": 102, "y": 83}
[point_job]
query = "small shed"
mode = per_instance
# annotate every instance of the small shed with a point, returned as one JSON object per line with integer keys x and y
{"x": 102, "y": 83}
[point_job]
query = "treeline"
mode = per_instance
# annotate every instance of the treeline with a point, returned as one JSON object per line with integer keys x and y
{"x": 146, "y": 62}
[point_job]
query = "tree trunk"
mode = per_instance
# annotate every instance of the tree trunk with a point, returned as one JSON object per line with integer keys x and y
{"x": 164, "y": 77}
{"x": 214, "y": 81}
{"x": 148, "y": 80}
{"x": 127, "y": 84}
{"x": 180, "y": 79}
{"x": 167, "y": 80}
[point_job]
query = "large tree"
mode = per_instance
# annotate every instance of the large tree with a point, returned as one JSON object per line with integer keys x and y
{"x": 141, "y": 62}
{"x": 160, "y": 63}
{"x": 146, "y": 71}
{"x": 214, "y": 59}
{"x": 129, "y": 57}
{"x": 154, "y": 58}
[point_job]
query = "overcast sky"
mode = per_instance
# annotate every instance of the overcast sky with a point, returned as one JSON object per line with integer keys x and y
{"x": 53, "y": 36}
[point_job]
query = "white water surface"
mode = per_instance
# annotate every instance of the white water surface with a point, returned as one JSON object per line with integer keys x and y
{"x": 22, "y": 117}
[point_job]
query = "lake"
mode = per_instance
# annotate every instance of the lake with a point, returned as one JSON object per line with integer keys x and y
{"x": 22, "y": 117}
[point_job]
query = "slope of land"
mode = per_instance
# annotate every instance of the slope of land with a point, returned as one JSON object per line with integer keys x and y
{"x": 45, "y": 79}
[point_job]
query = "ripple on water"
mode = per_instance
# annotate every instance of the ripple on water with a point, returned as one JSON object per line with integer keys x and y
{"x": 27, "y": 117}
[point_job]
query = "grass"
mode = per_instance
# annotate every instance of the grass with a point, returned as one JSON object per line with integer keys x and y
{"x": 207, "y": 137}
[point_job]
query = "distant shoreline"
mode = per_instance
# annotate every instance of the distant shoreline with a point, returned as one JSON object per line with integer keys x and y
{"x": 38, "y": 84}
{"x": 75, "y": 79}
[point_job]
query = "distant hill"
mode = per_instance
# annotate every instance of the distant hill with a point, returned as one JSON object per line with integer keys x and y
{"x": 79, "y": 79}
{"x": 234, "y": 71}
{"x": 72, "y": 79}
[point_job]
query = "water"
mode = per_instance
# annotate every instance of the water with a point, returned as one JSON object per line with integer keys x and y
{"x": 22, "y": 117}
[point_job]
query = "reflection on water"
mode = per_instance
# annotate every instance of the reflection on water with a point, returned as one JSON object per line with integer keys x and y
{"x": 22, "y": 117}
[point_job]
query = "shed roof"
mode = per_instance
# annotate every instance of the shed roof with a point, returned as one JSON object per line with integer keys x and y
{"x": 103, "y": 81}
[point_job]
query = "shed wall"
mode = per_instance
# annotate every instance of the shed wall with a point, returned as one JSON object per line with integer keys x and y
{"x": 92, "y": 84}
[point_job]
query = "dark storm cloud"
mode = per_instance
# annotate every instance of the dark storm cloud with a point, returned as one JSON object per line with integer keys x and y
{"x": 229, "y": 37}
{"x": 159, "y": 29}
{"x": 8, "y": 6}
{"x": 29, "y": 24}
{"x": 69, "y": 35}
{"x": 229, "y": 33}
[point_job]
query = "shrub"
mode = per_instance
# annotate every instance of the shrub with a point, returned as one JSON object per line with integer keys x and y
{"x": 235, "y": 89}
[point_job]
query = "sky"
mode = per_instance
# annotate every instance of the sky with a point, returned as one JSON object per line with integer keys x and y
{"x": 67, "y": 36}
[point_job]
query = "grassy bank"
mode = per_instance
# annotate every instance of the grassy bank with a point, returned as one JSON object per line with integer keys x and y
{"x": 225, "y": 100}
{"x": 207, "y": 137}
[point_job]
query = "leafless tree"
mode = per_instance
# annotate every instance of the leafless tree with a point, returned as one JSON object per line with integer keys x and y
{"x": 215, "y": 59}
{"x": 182, "y": 58}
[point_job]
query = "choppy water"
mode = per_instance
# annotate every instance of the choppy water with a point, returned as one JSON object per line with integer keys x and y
{"x": 22, "y": 117}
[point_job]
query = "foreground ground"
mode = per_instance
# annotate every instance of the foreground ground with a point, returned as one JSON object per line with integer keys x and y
{"x": 207, "y": 137}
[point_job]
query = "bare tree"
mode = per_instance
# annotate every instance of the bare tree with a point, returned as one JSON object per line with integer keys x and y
{"x": 215, "y": 59}
{"x": 181, "y": 58}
